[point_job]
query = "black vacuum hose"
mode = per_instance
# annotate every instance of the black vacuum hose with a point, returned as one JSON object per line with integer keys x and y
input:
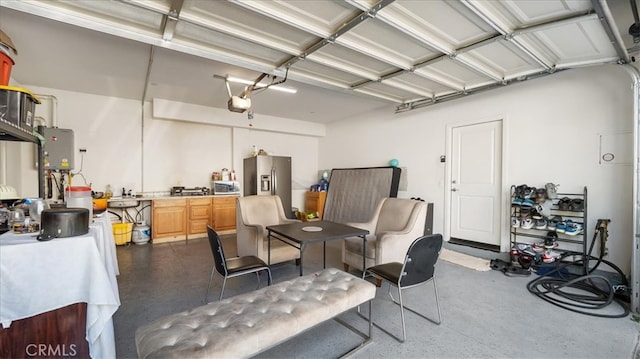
{"x": 561, "y": 291}
{"x": 589, "y": 296}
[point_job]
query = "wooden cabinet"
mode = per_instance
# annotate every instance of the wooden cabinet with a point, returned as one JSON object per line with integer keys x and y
{"x": 314, "y": 202}
{"x": 169, "y": 220}
{"x": 199, "y": 217}
{"x": 224, "y": 214}
{"x": 176, "y": 219}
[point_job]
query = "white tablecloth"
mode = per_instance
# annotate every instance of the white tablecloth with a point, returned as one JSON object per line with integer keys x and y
{"x": 37, "y": 277}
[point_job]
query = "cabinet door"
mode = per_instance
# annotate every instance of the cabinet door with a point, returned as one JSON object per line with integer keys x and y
{"x": 224, "y": 213}
{"x": 314, "y": 202}
{"x": 199, "y": 216}
{"x": 169, "y": 220}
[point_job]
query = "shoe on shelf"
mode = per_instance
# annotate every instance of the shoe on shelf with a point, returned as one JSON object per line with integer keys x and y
{"x": 553, "y": 222}
{"x": 530, "y": 192}
{"x": 538, "y": 247}
{"x": 564, "y": 204}
{"x": 552, "y": 190}
{"x": 541, "y": 223}
{"x": 561, "y": 227}
{"x": 577, "y": 205}
{"x": 527, "y": 223}
{"x": 517, "y": 249}
{"x": 528, "y": 202}
{"x": 541, "y": 195}
{"x": 573, "y": 228}
{"x": 515, "y": 222}
{"x": 551, "y": 239}
{"x": 535, "y": 214}
{"x": 544, "y": 208}
{"x": 525, "y": 261}
{"x": 520, "y": 190}
{"x": 517, "y": 201}
{"x": 550, "y": 256}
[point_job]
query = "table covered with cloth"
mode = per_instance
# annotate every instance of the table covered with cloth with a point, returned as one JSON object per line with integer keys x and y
{"x": 37, "y": 277}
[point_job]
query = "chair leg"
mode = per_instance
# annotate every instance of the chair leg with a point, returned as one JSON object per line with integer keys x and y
{"x": 224, "y": 282}
{"x": 400, "y": 340}
{"x": 378, "y": 282}
{"x": 268, "y": 277}
{"x": 435, "y": 290}
{"x": 258, "y": 276}
{"x": 206, "y": 295}
{"x": 404, "y": 334}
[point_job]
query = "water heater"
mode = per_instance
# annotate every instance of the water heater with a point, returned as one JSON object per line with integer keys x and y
{"x": 58, "y": 148}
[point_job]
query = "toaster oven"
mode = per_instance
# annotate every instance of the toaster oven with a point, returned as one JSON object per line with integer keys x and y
{"x": 225, "y": 187}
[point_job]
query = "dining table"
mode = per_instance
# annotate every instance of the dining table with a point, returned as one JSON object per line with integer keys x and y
{"x": 39, "y": 277}
{"x": 301, "y": 234}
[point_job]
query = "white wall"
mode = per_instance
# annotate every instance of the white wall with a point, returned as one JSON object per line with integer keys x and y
{"x": 155, "y": 154}
{"x": 551, "y": 134}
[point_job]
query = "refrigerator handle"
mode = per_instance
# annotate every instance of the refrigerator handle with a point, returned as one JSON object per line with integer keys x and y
{"x": 274, "y": 181}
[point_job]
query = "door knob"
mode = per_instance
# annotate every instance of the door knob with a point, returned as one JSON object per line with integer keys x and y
{"x": 454, "y": 189}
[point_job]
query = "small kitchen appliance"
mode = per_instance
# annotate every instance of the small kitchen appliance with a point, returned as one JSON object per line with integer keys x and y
{"x": 225, "y": 187}
{"x": 184, "y": 191}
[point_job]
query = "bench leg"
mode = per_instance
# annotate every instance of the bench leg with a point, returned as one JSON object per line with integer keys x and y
{"x": 367, "y": 338}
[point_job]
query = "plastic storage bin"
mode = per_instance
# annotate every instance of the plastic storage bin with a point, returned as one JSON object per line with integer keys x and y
{"x": 122, "y": 233}
{"x": 17, "y": 107}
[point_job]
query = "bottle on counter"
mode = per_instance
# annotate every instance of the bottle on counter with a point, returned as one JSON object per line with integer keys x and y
{"x": 254, "y": 151}
{"x": 108, "y": 192}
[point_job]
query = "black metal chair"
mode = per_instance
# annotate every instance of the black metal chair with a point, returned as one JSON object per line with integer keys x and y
{"x": 232, "y": 267}
{"x": 418, "y": 268}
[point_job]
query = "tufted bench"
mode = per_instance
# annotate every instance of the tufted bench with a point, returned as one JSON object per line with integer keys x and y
{"x": 253, "y": 322}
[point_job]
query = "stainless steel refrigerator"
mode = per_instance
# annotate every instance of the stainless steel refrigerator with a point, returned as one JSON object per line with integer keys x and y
{"x": 269, "y": 175}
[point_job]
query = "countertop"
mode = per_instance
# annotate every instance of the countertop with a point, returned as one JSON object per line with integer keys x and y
{"x": 160, "y": 196}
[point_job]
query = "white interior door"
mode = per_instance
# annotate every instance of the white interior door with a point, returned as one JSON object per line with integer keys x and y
{"x": 476, "y": 172}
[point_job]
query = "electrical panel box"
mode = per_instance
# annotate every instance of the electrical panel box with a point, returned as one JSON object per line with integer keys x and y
{"x": 58, "y": 148}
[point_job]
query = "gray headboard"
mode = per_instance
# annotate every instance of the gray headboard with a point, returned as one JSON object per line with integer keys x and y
{"x": 354, "y": 192}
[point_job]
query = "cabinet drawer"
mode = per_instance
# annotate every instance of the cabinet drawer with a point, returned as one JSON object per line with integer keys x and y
{"x": 199, "y": 201}
{"x": 224, "y": 202}
{"x": 178, "y": 202}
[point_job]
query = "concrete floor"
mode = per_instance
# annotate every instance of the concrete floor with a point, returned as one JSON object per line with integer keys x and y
{"x": 485, "y": 314}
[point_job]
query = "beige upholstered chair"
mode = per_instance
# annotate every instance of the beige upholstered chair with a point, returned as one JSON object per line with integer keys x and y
{"x": 395, "y": 224}
{"x": 253, "y": 215}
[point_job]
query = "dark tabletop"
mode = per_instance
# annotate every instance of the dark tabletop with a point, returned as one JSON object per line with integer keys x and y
{"x": 330, "y": 230}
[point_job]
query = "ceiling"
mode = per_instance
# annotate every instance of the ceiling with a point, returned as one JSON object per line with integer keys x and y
{"x": 343, "y": 57}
